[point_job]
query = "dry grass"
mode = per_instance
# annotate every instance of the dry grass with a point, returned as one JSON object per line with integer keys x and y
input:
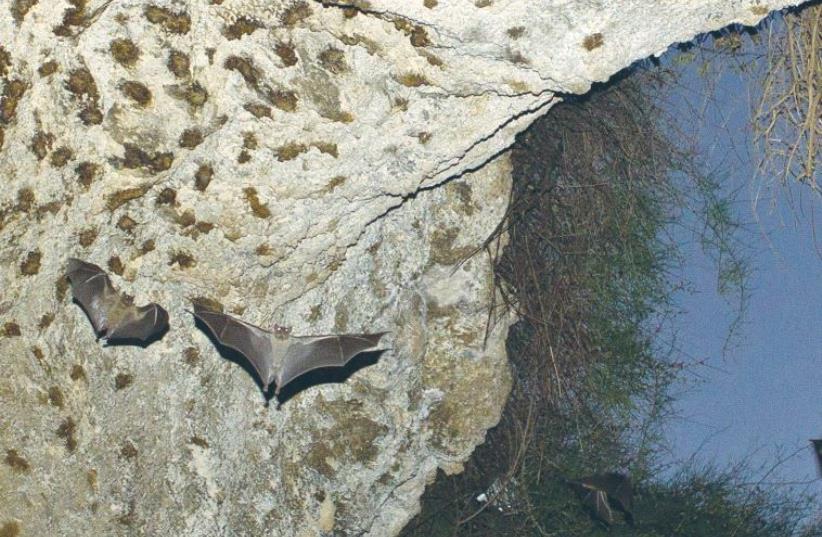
{"x": 788, "y": 117}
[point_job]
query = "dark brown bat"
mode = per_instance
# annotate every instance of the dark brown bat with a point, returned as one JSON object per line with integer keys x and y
{"x": 279, "y": 357}
{"x": 111, "y": 315}
{"x": 817, "y": 449}
{"x": 602, "y": 493}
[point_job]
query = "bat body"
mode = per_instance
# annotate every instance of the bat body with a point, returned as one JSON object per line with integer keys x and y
{"x": 277, "y": 356}
{"x": 817, "y": 449}
{"x": 111, "y": 315}
{"x": 602, "y": 493}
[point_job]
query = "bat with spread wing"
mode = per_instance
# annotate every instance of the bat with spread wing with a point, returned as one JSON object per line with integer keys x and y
{"x": 112, "y": 316}
{"x": 602, "y": 493}
{"x": 279, "y": 357}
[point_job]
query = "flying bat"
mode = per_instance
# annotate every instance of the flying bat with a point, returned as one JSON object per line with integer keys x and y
{"x": 279, "y": 357}
{"x": 817, "y": 449}
{"x": 111, "y": 314}
{"x": 602, "y": 493}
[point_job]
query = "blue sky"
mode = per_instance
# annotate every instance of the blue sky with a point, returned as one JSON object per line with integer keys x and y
{"x": 760, "y": 400}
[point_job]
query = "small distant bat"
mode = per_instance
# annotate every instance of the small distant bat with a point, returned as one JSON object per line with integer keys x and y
{"x": 279, "y": 357}
{"x": 602, "y": 493}
{"x": 817, "y": 448}
{"x": 112, "y": 316}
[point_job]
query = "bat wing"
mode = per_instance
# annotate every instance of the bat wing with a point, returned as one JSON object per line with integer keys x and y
{"x": 622, "y": 494}
{"x": 616, "y": 486}
{"x": 91, "y": 287}
{"x": 597, "y": 500}
{"x": 251, "y": 341}
{"x": 140, "y": 323}
{"x": 308, "y": 353}
{"x": 617, "y": 490}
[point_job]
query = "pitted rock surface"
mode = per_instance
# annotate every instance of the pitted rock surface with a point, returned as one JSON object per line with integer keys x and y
{"x": 333, "y": 167}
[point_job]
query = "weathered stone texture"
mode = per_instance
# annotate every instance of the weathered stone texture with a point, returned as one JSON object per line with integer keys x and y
{"x": 296, "y": 162}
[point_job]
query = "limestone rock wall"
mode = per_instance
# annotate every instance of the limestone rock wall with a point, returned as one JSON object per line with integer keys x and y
{"x": 332, "y": 167}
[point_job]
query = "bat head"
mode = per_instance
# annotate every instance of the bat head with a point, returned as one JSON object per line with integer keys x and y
{"x": 281, "y": 332}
